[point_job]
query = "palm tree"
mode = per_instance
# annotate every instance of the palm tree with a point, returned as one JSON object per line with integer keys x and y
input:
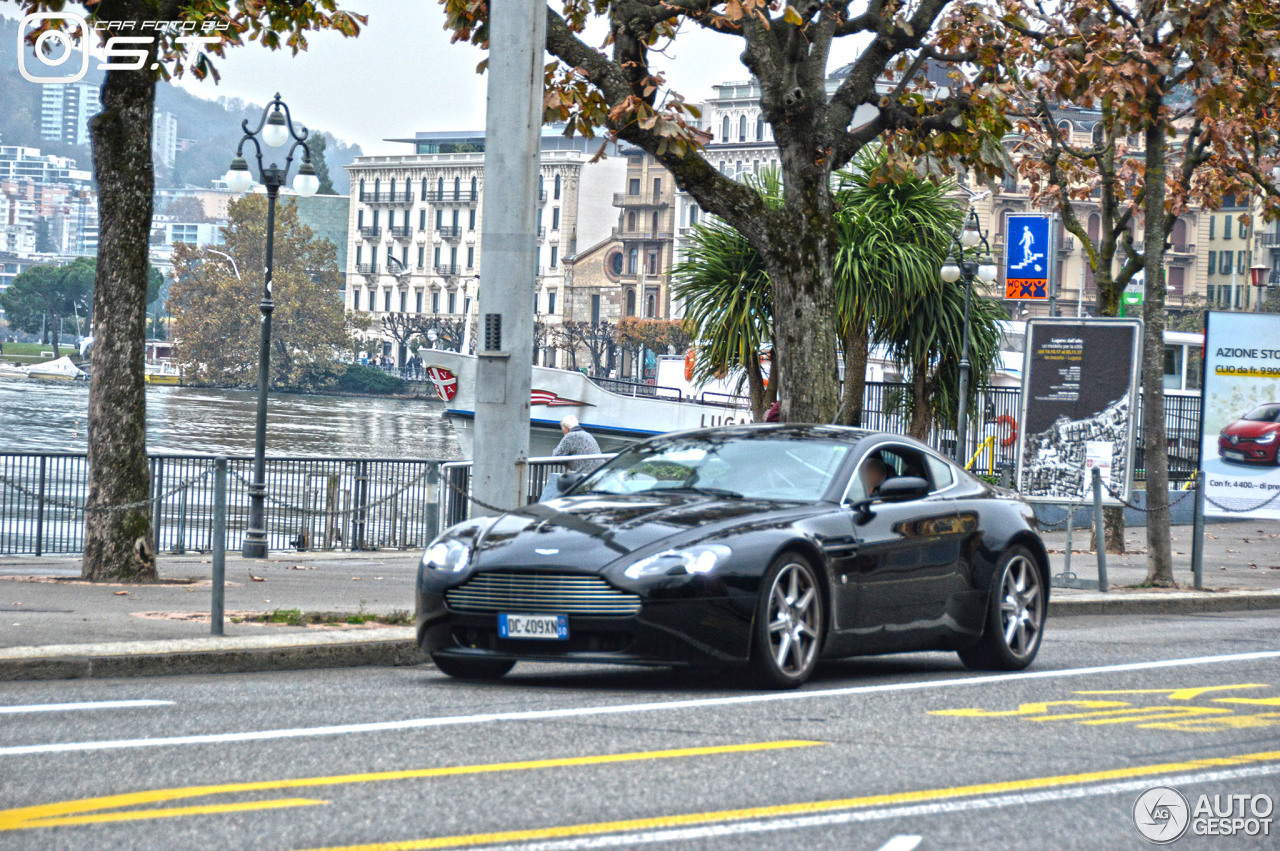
{"x": 729, "y": 303}
{"x": 895, "y": 228}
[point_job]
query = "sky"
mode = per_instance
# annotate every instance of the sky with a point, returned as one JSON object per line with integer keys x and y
{"x": 401, "y": 75}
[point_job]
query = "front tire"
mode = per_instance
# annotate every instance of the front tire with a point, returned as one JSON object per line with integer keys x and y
{"x": 788, "y": 623}
{"x": 1015, "y": 615}
{"x": 472, "y": 669}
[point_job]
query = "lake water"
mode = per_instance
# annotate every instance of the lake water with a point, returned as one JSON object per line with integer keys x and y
{"x": 49, "y": 416}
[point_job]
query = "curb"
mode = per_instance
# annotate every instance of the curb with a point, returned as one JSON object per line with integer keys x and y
{"x": 1163, "y": 603}
{"x": 65, "y": 663}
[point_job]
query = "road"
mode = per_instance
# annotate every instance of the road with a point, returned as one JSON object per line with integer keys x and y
{"x": 889, "y": 753}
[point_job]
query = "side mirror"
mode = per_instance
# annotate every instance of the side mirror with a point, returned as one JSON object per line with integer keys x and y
{"x": 899, "y": 489}
{"x": 569, "y": 481}
{"x": 903, "y": 488}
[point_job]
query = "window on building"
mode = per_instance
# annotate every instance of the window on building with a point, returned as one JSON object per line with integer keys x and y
{"x": 653, "y": 262}
{"x": 377, "y": 186}
{"x": 557, "y": 188}
{"x": 375, "y": 219}
{"x": 1226, "y": 227}
{"x": 1242, "y": 262}
{"x": 595, "y": 310}
{"x": 657, "y": 188}
{"x": 392, "y": 196}
{"x": 654, "y": 221}
{"x": 453, "y": 257}
{"x": 457, "y": 188}
{"x": 440, "y": 188}
{"x": 422, "y": 219}
{"x": 471, "y": 256}
{"x": 541, "y": 187}
{"x": 456, "y": 213}
{"x": 359, "y": 251}
{"x": 360, "y": 218}
{"x": 435, "y": 302}
{"x": 471, "y": 220}
{"x": 631, "y": 222}
{"x": 473, "y": 188}
{"x": 1211, "y": 227}
{"x": 551, "y": 302}
{"x": 1244, "y": 228}
{"x": 422, "y": 256}
{"x": 371, "y": 296}
{"x": 1224, "y": 262}
{"x": 760, "y": 128}
{"x": 555, "y": 218}
{"x": 554, "y": 252}
{"x": 693, "y": 214}
{"x": 439, "y": 218}
{"x": 1213, "y": 262}
{"x": 535, "y": 303}
{"x": 631, "y": 302}
{"x": 649, "y": 306}
{"x": 417, "y": 302}
{"x": 362, "y": 187}
{"x": 453, "y": 302}
{"x": 633, "y": 186}
{"x": 742, "y": 128}
{"x": 404, "y": 302}
{"x": 632, "y": 260}
{"x": 539, "y": 218}
{"x": 424, "y": 189}
{"x": 389, "y": 258}
{"x": 724, "y": 129}
{"x": 404, "y": 256}
{"x": 386, "y": 301}
{"x": 466, "y": 305}
{"x": 435, "y": 257}
{"x": 391, "y": 218}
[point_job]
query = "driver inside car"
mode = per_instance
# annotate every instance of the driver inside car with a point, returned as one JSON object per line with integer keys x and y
{"x": 873, "y": 473}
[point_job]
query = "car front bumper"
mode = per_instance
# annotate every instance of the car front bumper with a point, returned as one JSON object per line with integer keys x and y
{"x": 710, "y": 630}
{"x": 1249, "y": 452}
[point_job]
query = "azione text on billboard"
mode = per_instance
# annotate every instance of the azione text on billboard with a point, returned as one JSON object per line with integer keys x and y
{"x": 1241, "y": 411}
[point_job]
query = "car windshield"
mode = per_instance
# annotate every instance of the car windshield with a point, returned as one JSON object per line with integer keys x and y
{"x": 1264, "y": 414}
{"x": 794, "y": 469}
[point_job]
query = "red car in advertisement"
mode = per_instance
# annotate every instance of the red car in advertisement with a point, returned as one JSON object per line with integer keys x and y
{"x": 1253, "y": 438}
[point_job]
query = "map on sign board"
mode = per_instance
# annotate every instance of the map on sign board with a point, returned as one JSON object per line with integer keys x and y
{"x": 1026, "y": 257}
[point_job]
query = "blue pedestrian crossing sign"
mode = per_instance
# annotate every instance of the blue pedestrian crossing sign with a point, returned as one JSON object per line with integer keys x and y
{"x": 1026, "y": 257}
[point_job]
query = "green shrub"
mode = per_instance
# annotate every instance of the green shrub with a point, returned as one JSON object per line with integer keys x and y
{"x": 358, "y": 378}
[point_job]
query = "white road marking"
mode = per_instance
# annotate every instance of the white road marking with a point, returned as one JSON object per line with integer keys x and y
{"x": 615, "y": 709}
{"x": 73, "y": 707}
{"x": 902, "y": 842}
{"x": 717, "y": 831}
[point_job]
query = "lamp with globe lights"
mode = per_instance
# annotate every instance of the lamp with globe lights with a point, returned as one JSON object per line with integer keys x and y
{"x": 970, "y": 258}
{"x": 275, "y": 129}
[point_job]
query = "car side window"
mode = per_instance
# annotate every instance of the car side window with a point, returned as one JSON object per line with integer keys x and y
{"x": 897, "y": 461}
{"x": 940, "y": 473}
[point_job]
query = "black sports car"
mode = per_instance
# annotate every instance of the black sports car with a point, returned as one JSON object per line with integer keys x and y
{"x": 765, "y": 547}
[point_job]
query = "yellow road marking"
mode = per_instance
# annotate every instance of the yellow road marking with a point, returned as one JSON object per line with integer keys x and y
{"x": 688, "y": 819}
{"x": 87, "y": 810}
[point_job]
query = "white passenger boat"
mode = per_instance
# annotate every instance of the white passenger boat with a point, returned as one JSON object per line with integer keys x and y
{"x": 613, "y": 418}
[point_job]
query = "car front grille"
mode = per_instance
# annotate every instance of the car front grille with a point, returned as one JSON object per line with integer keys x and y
{"x": 559, "y": 593}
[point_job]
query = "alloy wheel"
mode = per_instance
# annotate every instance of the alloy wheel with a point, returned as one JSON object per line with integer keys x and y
{"x": 795, "y": 619}
{"x": 1021, "y": 606}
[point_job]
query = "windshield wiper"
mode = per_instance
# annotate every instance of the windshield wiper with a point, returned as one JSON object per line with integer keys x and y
{"x": 697, "y": 489}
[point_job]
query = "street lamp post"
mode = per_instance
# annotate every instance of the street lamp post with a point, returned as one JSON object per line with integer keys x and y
{"x": 966, "y": 260}
{"x": 274, "y": 129}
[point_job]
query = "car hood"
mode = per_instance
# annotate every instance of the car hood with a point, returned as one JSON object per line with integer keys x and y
{"x": 1250, "y": 428}
{"x": 592, "y": 531}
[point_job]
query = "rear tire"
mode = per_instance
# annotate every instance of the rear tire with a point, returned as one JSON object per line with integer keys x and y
{"x": 1015, "y": 615}
{"x": 472, "y": 669}
{"x": 788, "y": 627}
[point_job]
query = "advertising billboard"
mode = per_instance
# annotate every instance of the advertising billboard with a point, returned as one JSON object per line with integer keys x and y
{"x": 1240, "y": 414}
{"x": 1026, "y": 257}
{"x": 1079, "y": 404}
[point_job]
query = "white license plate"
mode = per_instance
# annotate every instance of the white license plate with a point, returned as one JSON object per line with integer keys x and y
{"x": 550, "y": 627}
{"x": 1234, "y": 456}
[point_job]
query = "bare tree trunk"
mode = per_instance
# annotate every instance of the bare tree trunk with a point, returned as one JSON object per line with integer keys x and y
{"x": 921, "y": 413}
{"x": 1113, "y": 531}
{"x": 1159, "y": 555}
{"x": 855, "y": 344}
{"x": 118, "y": 543}
{"x": 756, "y": 389}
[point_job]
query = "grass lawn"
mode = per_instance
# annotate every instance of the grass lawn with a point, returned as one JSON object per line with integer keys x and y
{"x": 34, "y": 352}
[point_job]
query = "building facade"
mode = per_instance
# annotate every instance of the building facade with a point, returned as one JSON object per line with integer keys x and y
{"x": 414, "y": 232}
{"x": 65, "y": 110}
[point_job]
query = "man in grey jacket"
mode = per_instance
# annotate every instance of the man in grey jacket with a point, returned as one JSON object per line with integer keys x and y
{"x": 577, "y": 441}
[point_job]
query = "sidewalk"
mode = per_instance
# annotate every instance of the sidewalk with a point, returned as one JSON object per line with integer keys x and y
{"x": 52, "y": 625}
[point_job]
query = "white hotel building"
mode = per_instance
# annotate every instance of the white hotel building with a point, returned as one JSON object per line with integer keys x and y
{"x": 413, "y": 241}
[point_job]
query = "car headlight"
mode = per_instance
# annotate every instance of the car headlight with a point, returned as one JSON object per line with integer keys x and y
{"x": 448, "y": 555}
{"x": 1270, "y": 438}
{"x": 703, "y": 558}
